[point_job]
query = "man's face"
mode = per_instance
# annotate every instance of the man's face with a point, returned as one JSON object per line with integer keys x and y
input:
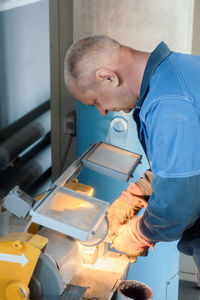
{"x": 105, "y": 98}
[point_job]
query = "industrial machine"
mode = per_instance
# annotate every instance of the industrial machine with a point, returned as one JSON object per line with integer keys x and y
{"x": 67, "y": 258}
{"x": 159, "y": 270}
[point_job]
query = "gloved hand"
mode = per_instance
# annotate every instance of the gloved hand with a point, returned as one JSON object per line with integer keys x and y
{"x": 124, "y": 208}
{"x": 130, "y": 241}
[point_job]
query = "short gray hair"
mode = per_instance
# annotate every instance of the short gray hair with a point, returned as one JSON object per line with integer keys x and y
{"x": 82, "y": 58}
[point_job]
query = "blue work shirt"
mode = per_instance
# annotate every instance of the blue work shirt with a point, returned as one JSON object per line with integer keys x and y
{"x": 168, "y": 119}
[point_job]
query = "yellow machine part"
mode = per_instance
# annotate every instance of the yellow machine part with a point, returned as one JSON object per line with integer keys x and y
{"x": 19, "y": 253}
{"x": 34, "y": 228}
{"x": 80, "y": 187}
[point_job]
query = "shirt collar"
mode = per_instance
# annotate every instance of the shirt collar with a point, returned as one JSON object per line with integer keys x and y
{"x": 155, "y": 59}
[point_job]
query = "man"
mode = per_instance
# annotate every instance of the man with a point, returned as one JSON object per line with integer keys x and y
{"x": 163, "y": 88}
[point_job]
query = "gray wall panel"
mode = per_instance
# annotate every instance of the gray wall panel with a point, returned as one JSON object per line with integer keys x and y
{"x": 24, "y": 60}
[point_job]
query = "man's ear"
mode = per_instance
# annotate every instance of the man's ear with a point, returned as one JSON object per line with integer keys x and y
{"x": 105, "y": 74}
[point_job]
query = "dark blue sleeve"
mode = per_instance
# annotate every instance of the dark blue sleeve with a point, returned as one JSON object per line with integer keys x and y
{"x": 173, "y": 147}
{"x": 173, "y": 207}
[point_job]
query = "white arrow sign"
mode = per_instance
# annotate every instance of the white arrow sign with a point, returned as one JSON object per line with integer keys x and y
{"x": 19, "y": 259}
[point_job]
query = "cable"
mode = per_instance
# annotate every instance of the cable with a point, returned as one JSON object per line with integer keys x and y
{"x": 66, "y": 153}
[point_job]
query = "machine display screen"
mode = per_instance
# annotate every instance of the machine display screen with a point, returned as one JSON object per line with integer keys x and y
{"x": 70, "y": 212}
{"x": 112, "y": 161}
{"x": 70, "y": 209}
{"x": 114, "y": 158}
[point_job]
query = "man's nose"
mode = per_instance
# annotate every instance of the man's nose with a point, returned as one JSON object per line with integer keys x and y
{"x": 102, "y": 110}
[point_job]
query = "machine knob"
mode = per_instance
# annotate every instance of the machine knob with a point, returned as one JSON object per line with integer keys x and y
{"x": 119, "y": 124}
{"x": 16, "y": 290}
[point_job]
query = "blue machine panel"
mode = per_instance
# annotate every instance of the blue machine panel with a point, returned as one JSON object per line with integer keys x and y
{"x": 160, "y": 268}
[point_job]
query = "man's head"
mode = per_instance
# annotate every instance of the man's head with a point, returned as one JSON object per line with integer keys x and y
{"x": 97, "y": 72}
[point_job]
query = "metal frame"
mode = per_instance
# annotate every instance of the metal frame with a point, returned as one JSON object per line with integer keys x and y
{"x": 61, "y": 37}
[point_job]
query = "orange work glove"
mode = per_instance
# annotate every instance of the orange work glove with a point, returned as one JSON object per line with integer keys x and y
{"x": 130, "y": 241}
{"x": 124, "y": 208}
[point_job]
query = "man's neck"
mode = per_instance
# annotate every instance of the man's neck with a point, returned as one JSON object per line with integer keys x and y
{"x": 133, "y": 63}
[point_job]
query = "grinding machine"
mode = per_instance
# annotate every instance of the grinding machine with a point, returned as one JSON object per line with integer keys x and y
{"x": 62, "y": 253}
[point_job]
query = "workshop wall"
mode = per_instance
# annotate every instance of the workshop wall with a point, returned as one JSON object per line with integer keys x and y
{"x": 24, "y": 94}
{"x": 24, "y": 60}
{"x": 140, "y": 24}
